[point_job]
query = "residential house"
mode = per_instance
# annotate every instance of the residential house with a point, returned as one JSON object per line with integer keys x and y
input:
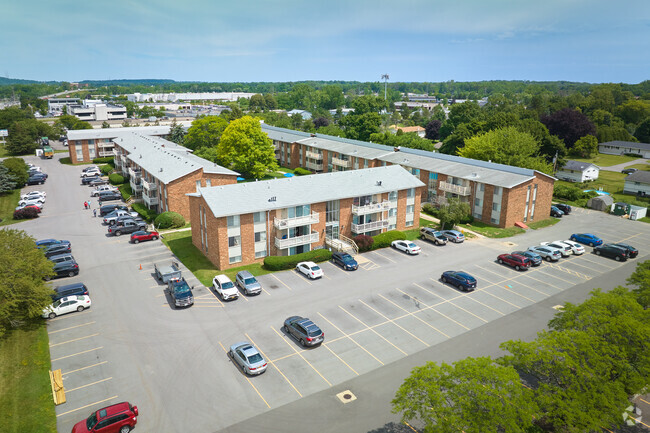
{"x": 577, "y": 171}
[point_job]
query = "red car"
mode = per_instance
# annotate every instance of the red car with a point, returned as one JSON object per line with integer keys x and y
{"x": 117, "y": 418}
{"x": 515, "y": 260}
{"x": 139, "y": 236}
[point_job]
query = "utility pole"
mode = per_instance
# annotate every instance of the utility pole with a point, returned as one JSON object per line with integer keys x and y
{"x": 385, "y": 77}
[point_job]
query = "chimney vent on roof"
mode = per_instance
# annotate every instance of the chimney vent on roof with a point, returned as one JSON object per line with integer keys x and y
{"x": 379, "y": 183}
{"x": 313, "y": 135}
{"x": 396, "y": 148}
{"x": 161, "y": 169}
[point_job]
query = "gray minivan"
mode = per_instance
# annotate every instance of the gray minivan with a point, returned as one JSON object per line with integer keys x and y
{"x": 62, "y": 258}
{"x": 73, "y": 289}
{"x": 248, "y": 283}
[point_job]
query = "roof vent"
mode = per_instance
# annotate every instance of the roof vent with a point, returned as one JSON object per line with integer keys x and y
{"x": 140, "y": 155}
{"x": 379, "y": 183}
{"x": 397, "y": 148}
{"x": 161, "y": 169}
{"x": 313, "y": 135}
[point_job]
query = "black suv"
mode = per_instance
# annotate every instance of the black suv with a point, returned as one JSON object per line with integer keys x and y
{"x": 631, "y": 251}
{"x": 612, "y": 251}
{"x": 564, "y": 208}
{"x": 109, "y": 196}
{"x": 64, "y": 269}
{"x": 108, "y": 208}
{"x": 304, "y": 330}
{"x": 180, "y": 292}
{"x": 36, "y": 178}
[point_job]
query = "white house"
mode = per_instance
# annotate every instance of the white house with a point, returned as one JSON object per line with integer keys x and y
{"x": 576, "y": 171}
{"x": 637, "y": 183}
{"x": 623, "y": 147}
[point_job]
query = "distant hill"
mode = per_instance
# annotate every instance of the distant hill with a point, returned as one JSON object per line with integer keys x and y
{"x": 4, "y": 81}
{"x": 126, "y": 82}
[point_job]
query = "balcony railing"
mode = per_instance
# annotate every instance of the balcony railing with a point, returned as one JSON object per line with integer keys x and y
{"x": 136, "y": 185}
{"x": 455, "y": 189}
{"x": 115, "y": 152}
{"x": 148, "y": 185}
{"x": 149, "y": 201}
{"x": 341, "y": 162}
{"x": 296, "y": 241}
{"x": 313, "y": 155}
{"x": 104, "y": 144}
{"x": 369, "y": 227}
{"x": 371, "y": 208}
{"x": 105, "y": 153}
{"x": 122, "y": 158}
{"x": 134, "y": 174}
{"x": 314, "y": 165}
{"x": 285, "y": 223}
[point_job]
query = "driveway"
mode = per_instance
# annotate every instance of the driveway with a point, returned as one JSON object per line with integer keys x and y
{"x": 619, "y": 167}
{"x": 379, "y": 321}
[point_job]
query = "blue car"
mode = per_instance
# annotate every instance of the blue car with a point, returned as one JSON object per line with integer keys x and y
{"x": 556, "y": 212}
{"x": 534, "y": 258}
{"x": 587, "y": 239}
{"x": 460, "y": 279}
{"x": 345, "y": 261}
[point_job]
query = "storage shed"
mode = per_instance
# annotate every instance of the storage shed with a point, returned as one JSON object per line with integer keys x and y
{"x": 602, "y": 203}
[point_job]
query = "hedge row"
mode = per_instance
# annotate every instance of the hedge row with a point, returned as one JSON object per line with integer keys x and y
{"x": 279, "y": 263}
{"x": 25, "y": 213}
{"x": 116, "y": 179}
{"x": 301, "y": 171}
{"x": 106, "y": 169}
{"x": 103, "y": 160}
{"x": 126, "y": 191}
{"x": 169, "y": 220}
{"x": 384, "y": 240}
{"x": 147, "y": 214}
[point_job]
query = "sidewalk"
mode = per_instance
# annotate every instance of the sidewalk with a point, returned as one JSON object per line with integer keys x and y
{"x": 437, "y": 221}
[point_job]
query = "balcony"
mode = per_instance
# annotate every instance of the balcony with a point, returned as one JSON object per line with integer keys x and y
{"x": 314, "y": 155}
{"x": 103, "y": 153}
{"x": 149, "y": 200}
{"x": 285, "y": 223}
{"x": 148, "y": 185}
{"x": 314, "y": 165}
{"x": 115, "y": 152}
{"x": 104, "y": 144}
{"x": 341, "y": 162}
{"x": 455, "y": 189}
{"x": 134, "y": 173}
{"x": 369, "y": 227}
{"x": 296, "y": 241}
{"x": 136, "y": 185}
{"x": 122, "y": 158}
{"x": 371, "y": 208}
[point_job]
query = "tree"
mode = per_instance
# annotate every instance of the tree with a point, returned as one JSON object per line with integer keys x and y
{"x": 614, "y": 133}
{"x": 105, "y": 125}
{"x": 474, "y": 395}
{"x": 634, "y": 112}
{"x": 367, "y": 104}
{"x": 246, "y": 148}
{"x": 585, "y": 147}
{"x": 257, "y": 101}
{"x": 10, "y": 115}
{"x": 269, "y": 102}
{"x": 506, "y": 146}
{"x": 17, "y": 169}
{"x": 642, "y": 132}
{"x": 641, "y": 279}
{"x": 22, "y": 137}
{"x": 453, "y": 212}
{"x": 176, "y": 133}
{"x": 320, "y": 122}
{"x": 7, "y": 182}
{"x": 569, "y": 125}
{"x": 205, "y": 132}
{"x": 361, "y": 126}
{"x": 432, "y": 130}
{"x": 400, "y": 139}
{"x": 332, "y": 97}
{"x": 23, "y": 293}
{"x": 464, "y": 113}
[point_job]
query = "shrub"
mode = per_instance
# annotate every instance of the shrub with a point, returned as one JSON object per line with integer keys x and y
{"x": 116, "y": 179}
{"x": 301, "y": 171}
{"x": 65, "y": 160}
{"x": 636, "y": 155}
{"x": 126, "y": 191}
{"x": 25, "y": 213}
{"x": 279, "y": 263}
{"x": 430, "y": 209}
{"x": 147, "y": 214}
{"x": 364, "y": 242}
{"x": 169, "y": 220}
{"x": 467, "y": 219}
{"x": 572, "y": 193}
{"x": 106, "y": 169}
{"x": 384, "y": 240}
{"x": 103, "y": 160}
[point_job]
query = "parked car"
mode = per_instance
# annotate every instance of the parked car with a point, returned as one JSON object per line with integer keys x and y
{"x": 143, "y": 235}
{"x": 108, "y": 208}
{"x": 612, "y": 251}
{"x": 429, "y": 234}
{"x": 109, "y": 196}
{"x": 310, "y": 269}
{"x": 631, "y": 251}
{"x": 64, "y": 269}
{"x": 74, "y": 289}
{"x": 88, "y": 180}
{"x": 345, "y": 261}
{"x": 587, "y": 239}
{"x": 576, "y": 248}
{"x": 564, "y": 208}
{"x": 462, "y": 280}
{"x": 180, "y": 292}
{"x": 36, "y": 179}
{"x": 304, "y": 330}
{"x": 37, "y": 208}
{"x": 91, "y": 172}
{"x": 101, "y": 188}
{"x": 120, "y": 220}
{"x": 34, "y": 195}
{"x": 224, "y": 287}
{"x": 66, "y": 305}
{"x": 111, "y": 217}
{"x": 44, "y": 243}
{"x": 453, "y": 235}
{"x": 129, "y": 226}
{"x": 629, "y": 170}
{"x": 535, "y": 259}
{"x": 407, "y": 246}
{"x": 548, "y": 253}
{"x": 117, "y": 418}
{"x": 31, "y": 202}
{"x": 55, "y": 250}
{"x": 555, "y": 212}
{"x": 90, "y": 168}
{"x": 98, "y": 181}
{"x": 564, "y": 249}
{"x": 248, "y": 358}
{"x": 248, "y": 283}
{"x": 513, "y": 260}
{"x": 65, "y": 257}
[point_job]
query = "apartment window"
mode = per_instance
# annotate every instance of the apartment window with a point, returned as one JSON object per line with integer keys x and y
{"x": 433, "y": 176}
{"x": 208, "y": 182}
{"x": 477, "y": 202}
{"x": 332, "y": 211}
{"x": 260, "y": 237}
{"x": 259, "y": 217}
{"x": 392, "y": 212}
{"x": 80, "y": 154}
{"x": 481, "y": 187}
{"x": 91, "y": 152}
{"x": 260, "y": 254}
{"x": 233, "y": 221}
{"x": 410, "y": 209}
{"x": 495, "y": 207}
{"x": 392, "y": 196}
{"x": 198, "y": 184}
{"x": 234, "y": 259}
{"x": 91, "y": 141}
{"x": 234, "y": 241}
{"x": 497, "y": 190}
{"x": 410, "y": 193}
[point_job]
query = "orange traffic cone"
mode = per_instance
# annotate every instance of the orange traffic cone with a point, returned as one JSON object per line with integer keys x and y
{"x": 140, "y": 266}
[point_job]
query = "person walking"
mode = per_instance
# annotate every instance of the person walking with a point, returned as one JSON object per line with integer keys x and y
{"x": 94, "y": 212}
{"x": 85, "y": 205}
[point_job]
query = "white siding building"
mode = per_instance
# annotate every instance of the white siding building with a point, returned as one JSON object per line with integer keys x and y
{"x": 576, "y": 171}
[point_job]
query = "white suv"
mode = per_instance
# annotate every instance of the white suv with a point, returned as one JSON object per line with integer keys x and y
{"x": 224, "y": 287}
{"x": 101, "y": 188}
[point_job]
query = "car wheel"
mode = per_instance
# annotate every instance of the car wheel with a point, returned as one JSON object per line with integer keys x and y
{"x": 517, "y": 267}
{"x": 154, "y": 238}
{"x": 591, "y": 244}
{"x": 460, "y": 287}
{"x": 118, "y": 233}
{"x": 572, "y": 238}
{"x": 80, "y": 308}
{"x": 500, "y": 261}
{"x": 617, "y": 258}
{"x": 286, "y": 329}
{"x": 302, "y": 343}
{"x": 548, "y": 258}
{"x": 135, "y": 241}
{"x": 444, "y": 280}
{"x": 71, "y": 274}
{"x": 597, "y": 252}
{"x": 125, "y": 429}
{"x": 52, "y": 315}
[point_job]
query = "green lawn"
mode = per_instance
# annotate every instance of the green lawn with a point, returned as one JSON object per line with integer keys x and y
{"x": 8, "y": 203}
{"x": 603, "y": 160}
{"x": 491, "y": 231}
{"x": 543, "y": 223}
{"x": 642, "y": 167}
{"x": 26, "y": 398}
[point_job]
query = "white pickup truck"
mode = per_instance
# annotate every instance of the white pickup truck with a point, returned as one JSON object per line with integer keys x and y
{"x": 111, "y": 218}
{"x": 95, "y": 192}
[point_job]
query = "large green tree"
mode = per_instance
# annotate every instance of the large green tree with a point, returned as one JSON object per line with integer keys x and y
{"x": 7, "y": 182}
{"x": 642, "y": 132}
{"x": 641, "y": 279}
{"x": 246, "y": 148}
{"x": 585, "y": 147}
{"x": 205, "y": 132}
{"x": 453, "y": 212}
{"x": 17, "y": 169}
{"x": 474, "y": 395}
{"x": 23, "y": 293}
{"x": 506, "y": 146}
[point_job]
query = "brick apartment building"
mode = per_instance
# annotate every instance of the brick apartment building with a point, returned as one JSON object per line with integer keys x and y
{"x": 498, "y": 194}
{"x": 235, "y": 225}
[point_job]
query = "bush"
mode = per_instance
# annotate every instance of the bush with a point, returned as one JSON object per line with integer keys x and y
{"x": 364, "y": 242}
{"x": 384, "y": 240}
{"x": 103, "y": 160}
{"x": 636, "y": 155}
{"x": 430, "y": 209}
{"x": 65, "y": 160}
{"x": 106, "y": 169}
{"x": 147, "y": 214}
{"x": 25, "y": 213}
{"x": 169, "y": 220}
{"x": 116, "y": 179}
{"x": 301, "y": 171}
{"x": 280, "y": 263}
{"x": 126, "y": 191}
{"x": 569, "y": 192}
{"x": 467, "y": 219}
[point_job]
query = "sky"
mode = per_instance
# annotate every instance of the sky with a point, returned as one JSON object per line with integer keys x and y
{"x": 355, "y": 40}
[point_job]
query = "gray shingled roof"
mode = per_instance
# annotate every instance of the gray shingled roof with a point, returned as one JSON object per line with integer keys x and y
{"x": 85, "y": 134}
{"x": 345, "y": 148}
{"x": 638, "y": 176}
{"x": 244, "y": 198}
{"x": 643, "y": 146}
{"x": 578, "y": 165}
{"x": 165, "y": 160}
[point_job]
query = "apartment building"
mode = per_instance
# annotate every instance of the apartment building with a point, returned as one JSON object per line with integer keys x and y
{"x": 235, "y": 225}
{"x": 498, "y": 194}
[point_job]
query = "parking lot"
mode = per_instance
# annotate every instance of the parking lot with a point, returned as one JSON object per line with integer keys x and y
{"x": 133, "y": 345}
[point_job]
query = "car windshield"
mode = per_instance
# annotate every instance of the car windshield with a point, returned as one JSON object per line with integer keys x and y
{"x": 91, "y": 421}
{"x": 412, "y": 245}
{"x": 315, "y": 268}
{"x": 255, "y": 358}
{"x": 227, "y": 285}
{"x": 182, "y": 288}
{"x": 248, "y": 281}
{"x": 57, "y": 303}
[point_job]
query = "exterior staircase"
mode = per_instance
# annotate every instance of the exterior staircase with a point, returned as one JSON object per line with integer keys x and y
{"x": 342, "y": 244}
